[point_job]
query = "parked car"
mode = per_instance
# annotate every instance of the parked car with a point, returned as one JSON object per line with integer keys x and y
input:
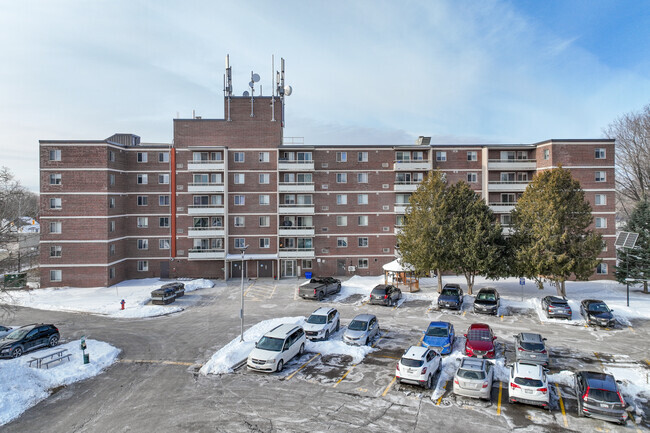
{"x": 385, "y": 294}
{"x": 479, "y": 341}
{"x": 322, "y": 323}
{"x": 599, "y": 397}
{"x": 440, "y": 336}
{"x": 319, "y": 287}
{"x": 418, "y": 366}
{"x": 528, "y": 384}
{"x": 4, "y": 330}
{"x": 451, "y": 297}
{"x": 277, "y": 347}
{"x": 596, "y": 312}
{"x": 531, "y": 347}
{"x": 554, "y": 306}
{"x": 474, "y": 378}
{"x": 487, "y": 301}
{"x": 362, "y": 329}
{"x": 28, "y": 338}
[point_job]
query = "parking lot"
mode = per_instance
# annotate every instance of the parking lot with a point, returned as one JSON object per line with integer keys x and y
{"x": 156, "y": 385}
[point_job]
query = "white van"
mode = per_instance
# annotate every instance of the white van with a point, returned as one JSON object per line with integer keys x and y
{"x": 277, "y": 347}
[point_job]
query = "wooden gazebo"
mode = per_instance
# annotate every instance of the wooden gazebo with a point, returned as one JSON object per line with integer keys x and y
{"x": 401, "y": 275}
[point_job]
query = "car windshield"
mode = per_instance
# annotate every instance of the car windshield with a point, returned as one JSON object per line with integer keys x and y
{"x": 598, "y": 308}
{"x": 2, "y": 328}
{"x": 317, "y": 320}
{"x": 449, "y": 292}
{"x": 18, "y": 334}
{"x": 471, "y": 374}
{"x": 358, "y": 325}
{"x": 533, "y": 347}
{"x": 486, "y": 297}
{"x": 269, "y": 343}
{"x": 481, "y": 335}
{"x": 407, "y": 362}
{"x": 379, "y": 291}
{"x": 603, "y": 395}
{"x": 526, "y": 381}
{"x": 437, "y": 332}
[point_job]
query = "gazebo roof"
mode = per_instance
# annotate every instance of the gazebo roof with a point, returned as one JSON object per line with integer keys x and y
{"x": 397, "y": 266}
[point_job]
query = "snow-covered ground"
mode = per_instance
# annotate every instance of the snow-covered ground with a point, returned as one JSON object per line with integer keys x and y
{"x": 24, "y": 386}
{"x": 106, "y": 300}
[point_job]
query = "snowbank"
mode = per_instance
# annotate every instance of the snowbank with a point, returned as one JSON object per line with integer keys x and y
{"x": 23, "y": 386}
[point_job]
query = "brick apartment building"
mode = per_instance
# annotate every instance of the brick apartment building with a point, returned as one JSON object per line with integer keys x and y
{"x": 118, "y": 209}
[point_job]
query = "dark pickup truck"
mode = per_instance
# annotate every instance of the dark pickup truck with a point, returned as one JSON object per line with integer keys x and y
{"x": 319, "y": 287}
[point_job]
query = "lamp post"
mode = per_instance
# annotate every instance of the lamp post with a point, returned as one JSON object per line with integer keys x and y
{"x": 241, "y": 312}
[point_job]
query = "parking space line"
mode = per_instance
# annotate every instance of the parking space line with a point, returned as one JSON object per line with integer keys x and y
{"x": 396, "y": 305}
{"x": 153, "y": 361}
{"x": 421, "y": 340}
{"x": 559, "y": 394}
{"x": 390, "y": 385}
{"x": 597, "y": 355}
{"x": 249, "y": 287}
{"x": 275, "y": 286}
{"x": 302, "y": 366}
{"x": 502, "y": 317}
{"x": 464, "y": 312}
{"x": 379, "y": 339}
{"x": 647, "y": 362}
{"x": 633, "y": 421}
{"x": 631, "y": 329}
{"x": 386, "y": 356}
{"x": 444, "y": 387}
{"x": 499, "y": 401}
{"x": 344, "y": 374}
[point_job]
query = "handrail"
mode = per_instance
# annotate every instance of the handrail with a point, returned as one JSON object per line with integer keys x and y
{"x": 296, "y": 249}
{"x": 408, "y": 182}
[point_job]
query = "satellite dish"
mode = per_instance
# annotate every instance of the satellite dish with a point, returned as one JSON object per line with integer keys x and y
{"x": 245, "y": 93}
{"x": 251, "y": 84}
{"x": 256, "y": 78}
{"x": 287, "y": 90}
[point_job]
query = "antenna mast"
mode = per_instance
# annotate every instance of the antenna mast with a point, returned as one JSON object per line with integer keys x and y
{"x": 272, "y": 88}
{"x": 228, "y": 83}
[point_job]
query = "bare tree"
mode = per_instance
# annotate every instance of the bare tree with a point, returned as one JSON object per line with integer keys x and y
{"x": 632, "y": 134}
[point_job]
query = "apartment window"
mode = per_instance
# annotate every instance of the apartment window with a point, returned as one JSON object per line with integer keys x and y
{"x": 111, "y": 273}
{"x": 400, "y": 220}
{"x": 239, "y": 221}
{"x": 341, "y": 157}
{"x": 55, "y": 203}
{"x": 265, "y": 221}
{"x": 362, "y": 177}
{"x": 238, "y": 156}
{"x": 418, "y": 155}
{"x": 240, "y": 200}
{"x": 163, "y": 222}
{"x": 471, "y": 178}
{"x": 143, "y": 179}
{"x": 163, "y": 157}
{"x": 111, "y": 156}
{"x": 601, "y": 269}
{"x": 522, "y": 177}
{"x": 111, "y": 250}
{"x": 403, "y": 156}
{"x": 143, "y": 222}
{"x": 362, "y": 199}
{"x": 55, "y": 275}
{"x": 265, "y": 178}
{"x": 341, "y": 220}
{"x": 306, "y": 264}
{"x": 341, "y": 177}
{"x": 143, "y": 244}
{"x": 601, "y": 223}
{"x": 506, "y": 220}
{"x": 600, "y": 154}
{"x": 362, "y": 220}
{"x": 111, "y": 179}
{"x": 363, "y": 263}
{"x": 363, "y": 242}
{"x": 362, "y": 156}
{"x": 55, "y": 155}
{"x": 547, "y": 153}
{"x": 143, "y": 265}
{"x": 163, "y": 244}
{"x": 111, "y": 226}
{"x": 601, "y": 176}
{"x": 441, "y": 156}
{"x": 55, "y": 251}
{"x": 265, "y": 242}
{"x": 163, "y": 179}
{"x": 472, "y": 155}
{"x": 55, "y": 179}
{"x": 341, "y": 199}
{"x": 264, "y": 157}
{"x": 55, "y": 227}
{"x": 601, "y": 199}
{"x": 342, "y": 242}
{"x": 265, "y": 199}
{"x": 163, "y": 200}
{"x": 142, "y": 157}
{"x": 240, "y": 178}
{"x": 143, "y": 200}
{"x": 240, "y": 242}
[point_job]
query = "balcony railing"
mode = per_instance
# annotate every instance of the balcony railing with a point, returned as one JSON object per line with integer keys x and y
{"x": 205, "y": 187}
{"x": 408, "y": 182}
{"x": 509, "y": 182}
{"x": 295, "y": 165}
{"x": 292, "y": 205}
{"x": 281, "y": 227}
{"x": 512, "y": 160}
{"x": 206, "y": 165}
{"x": 296, "y": 252}
{"x": 502, "y": 203}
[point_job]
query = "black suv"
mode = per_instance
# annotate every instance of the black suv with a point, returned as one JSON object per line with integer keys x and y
{"x": 487, "y": 301}
{"x": 28, "y": 338}
{"x": 555, "y": 306}
{"x": 598, "y": 397}
{"x": 596, "y": 312}
{"x": 385, "y": 295}
{"x": 451, "y": 297}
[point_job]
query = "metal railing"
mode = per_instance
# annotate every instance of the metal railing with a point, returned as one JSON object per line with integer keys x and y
{"x": 512, "y": 160}
{"x": 207, "y": 228}
{"x": 286, "y": 249}
{"x": 205, "y": 161}
{"x": 205, "y": 184}
{"x": 281, "y": 227}
{"x": 296, "y": 205}
{"x": 509, "y": 182}
{"x": 203, "y": 206}
{"x": 207, "y": 250}
{"x": 502, "y": 203}
{"x": 408, "y": 182}
{"x": 295, "y": 183}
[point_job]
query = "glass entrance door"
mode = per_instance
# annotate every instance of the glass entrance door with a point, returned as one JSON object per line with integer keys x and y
{"x": 288, "y": 268}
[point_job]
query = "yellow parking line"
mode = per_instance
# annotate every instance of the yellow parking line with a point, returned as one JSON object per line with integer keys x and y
{"x": 302, "y": 366}
{"x": 464, "y": 312}
{"x": 273, "y": 292}
{"x": 502, "y": 317}
{"x": 249, "y": 287}
{"x": 428, "y": 310}
{"x": 379, "y": 339}
{"x": 421, "y": 340}
{"x": 633, "y": 421}
{"x": 386, "y": 356}
{"x": 647, "y": 362}
{"x": 152, "y": 361}
{"x": 343, "y": 377}
{"x": 597, "y": 355}
{"x": 444, "y": 387}
{"x": 499, "y": 401}
{"x": 395, "y": 307}
{"x": 559, "y": 394}
{"x": 389, "y": 387}
{"x": 631, "y": 329}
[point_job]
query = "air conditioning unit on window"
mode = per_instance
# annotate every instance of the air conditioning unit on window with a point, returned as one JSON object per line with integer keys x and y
{"x": 385, "y": 207}
{"x": 384, "y": 164}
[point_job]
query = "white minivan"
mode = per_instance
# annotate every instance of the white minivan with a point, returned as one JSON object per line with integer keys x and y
{"x": 277, "y": 347}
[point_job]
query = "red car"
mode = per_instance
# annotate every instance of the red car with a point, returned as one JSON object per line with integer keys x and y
{"x": 479, "y": 341}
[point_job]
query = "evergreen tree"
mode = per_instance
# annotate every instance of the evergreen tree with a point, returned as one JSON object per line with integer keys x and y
{"x": 637, "y": 260}
{"x": 551, "y": 236}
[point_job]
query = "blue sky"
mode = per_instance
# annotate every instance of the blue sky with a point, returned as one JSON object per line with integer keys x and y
{"x": 362, "y": 72}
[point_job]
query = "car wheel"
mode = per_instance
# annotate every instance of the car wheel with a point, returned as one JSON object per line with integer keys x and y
{"x": 327, "y": 335}
{"x": 580, "y": 412}
{"x": 339, "y": 289}
{"x": 17, "y": 352}
{"x": 280, "y": 366}
{"x": 338, "y": 324}
{"x": 430, "y": 382}
{"x": 302, "y": 350}
{"x": 320, "y": 296}
{"x": 54, "y": 340}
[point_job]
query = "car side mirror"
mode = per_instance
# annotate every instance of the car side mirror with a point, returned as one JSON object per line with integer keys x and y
{"x": 611, "y": 311}
{"x": 546, "y": 370}
{"x": 515, "y": 336}
{"x": 256, "y": 345}
{"x": 544, "y": 339}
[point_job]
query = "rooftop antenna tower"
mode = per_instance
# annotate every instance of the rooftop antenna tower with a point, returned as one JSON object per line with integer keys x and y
{"x": 254, "y": 79}
{"x": 272, "y": 88}
{"x": 282, "y": 89}
{"x": 227, "y": 88}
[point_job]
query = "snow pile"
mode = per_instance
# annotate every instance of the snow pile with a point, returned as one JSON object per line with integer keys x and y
{"x": 23, "y": 386}
{"x": 106, "y": 300}
{"x": 339, "y": 347}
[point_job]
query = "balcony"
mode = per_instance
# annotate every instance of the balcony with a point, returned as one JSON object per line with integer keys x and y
{"x": 293, "y": 165}
{"x": 207, "y": 165}
{"x": 421, "y": 165}
{"x": 400, "y": 208}
{"x": 296, "y": 231}
{"x": 406, "y": 186}
{"x": 206, "y": 232}
{"x": 296, "y": 253}
{"x": 296, "y": 187}
{"x": 205, "y": 187}
{"x": 398, "y": 229}
{"x": 206, "y": 254}
{"x": 205, "y": 210}
{"x": 512, "y": 164}
{"x": 502, "y": 207}
{"x": 507, "y": 230}
{"x": 508, "y": 186}
{"x": 296, "y": 209}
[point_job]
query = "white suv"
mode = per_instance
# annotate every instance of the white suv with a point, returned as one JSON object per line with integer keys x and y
{"x": 322, "y": 323}
{"x": 277, "y": 347}
{"x": 418, "y": 366}
{"x": 528, "y": 384}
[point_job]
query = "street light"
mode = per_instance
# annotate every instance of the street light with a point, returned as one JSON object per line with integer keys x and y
{"x": 241, "y": 312}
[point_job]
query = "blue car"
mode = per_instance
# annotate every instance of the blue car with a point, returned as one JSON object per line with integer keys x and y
{"x": 440, "y": 336}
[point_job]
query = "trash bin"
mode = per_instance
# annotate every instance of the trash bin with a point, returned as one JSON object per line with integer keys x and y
{"x": 86, "y": 358}
{"x": 308, "y": 275}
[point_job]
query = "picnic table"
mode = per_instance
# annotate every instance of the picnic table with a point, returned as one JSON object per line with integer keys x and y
{"x": 55, "y": 356}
